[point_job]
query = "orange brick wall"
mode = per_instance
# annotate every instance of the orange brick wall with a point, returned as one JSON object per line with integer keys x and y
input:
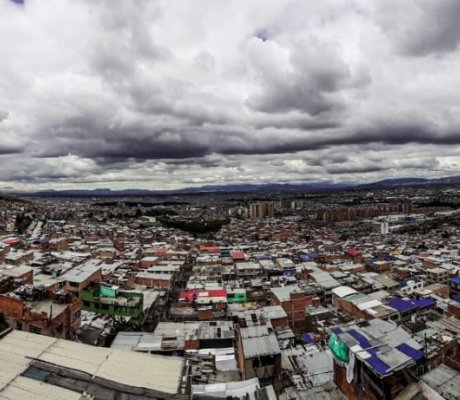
{"x": 150, "y": 282}
{"x": 11, "y": 307}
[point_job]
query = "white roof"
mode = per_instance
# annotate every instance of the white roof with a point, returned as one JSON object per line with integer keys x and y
{"x": 324, "y": 279}
{"x": 369, "y": 304}
{"x": 228, "y": 389}
{"x": 343, "y": 291}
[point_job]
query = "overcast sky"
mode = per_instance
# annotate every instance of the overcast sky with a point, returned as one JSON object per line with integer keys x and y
{"x": 172, "y": 93}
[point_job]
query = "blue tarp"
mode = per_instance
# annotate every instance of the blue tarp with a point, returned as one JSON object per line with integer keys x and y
{"x": 374, "y": 361}
{"x": 378, "y": 364}
{"x": 404, "y": 306}
{"x": 425, "y": 303}
{"x": 401, "y": 305}
{"x": 308, "y": 339}
{"x": 337, "y": 330}
{"x": 363, "y": 341}
{"x": 410, "y": 351}
{"x": 456, "y": 280}
{"x": 456, "y": 298}
{"x": 289, "y": 271}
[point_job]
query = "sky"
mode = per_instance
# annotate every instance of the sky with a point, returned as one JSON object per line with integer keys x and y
{"x": 163, "y": 94}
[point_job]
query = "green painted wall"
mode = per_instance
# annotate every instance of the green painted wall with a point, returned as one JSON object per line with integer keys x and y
{"x": 93, "y": 302}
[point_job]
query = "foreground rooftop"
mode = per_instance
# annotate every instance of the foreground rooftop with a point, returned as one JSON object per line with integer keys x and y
{"x": 40, "y": 367}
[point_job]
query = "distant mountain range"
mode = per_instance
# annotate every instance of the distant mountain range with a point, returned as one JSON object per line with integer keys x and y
{"x": 398, "y": 182}
{"x": 247, "y": 188}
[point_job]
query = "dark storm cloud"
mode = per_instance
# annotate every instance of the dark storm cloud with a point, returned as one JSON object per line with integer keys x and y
{"x": 95, "y": 139}
{"x": 398, "y": 133}
{"x": 316, "y": 74}
{"x": 360, "y": 165}
{"x": 10, "y": 149}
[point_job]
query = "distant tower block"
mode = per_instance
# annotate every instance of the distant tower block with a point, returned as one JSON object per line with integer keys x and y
{"x": 381, "y": 228}
{"x": 262, "y": 209}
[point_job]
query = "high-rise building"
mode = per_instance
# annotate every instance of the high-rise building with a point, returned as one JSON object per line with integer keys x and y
{"x": 381, "y": 227}
{"x": 262, "y": 209}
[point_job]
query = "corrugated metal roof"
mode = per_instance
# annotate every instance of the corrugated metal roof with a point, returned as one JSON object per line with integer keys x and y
{"x": 325, "y": 279}
{"x": 30, "y": 389}
{"x": 136, "y": 341}
{"x": 369, "y": 304}
{"x": 379, "y": 345}
{"x": 343, "y": 291}
{"x": 229, "y": 389}
{"x": 142, "y": 370}
{"x": 265, "y": 346}
{"x": 18, "y": 349}
{"x": 445, "y": 381}
{"x": 82, "y": 272}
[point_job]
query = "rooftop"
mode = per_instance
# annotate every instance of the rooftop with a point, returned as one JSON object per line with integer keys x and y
{"x": 259, "y": 341}
{"x": 383, "y": 346}
{"x": 445, "y": 381}
{"x": 82, "y": 272}
{"x": 21, "y": 350}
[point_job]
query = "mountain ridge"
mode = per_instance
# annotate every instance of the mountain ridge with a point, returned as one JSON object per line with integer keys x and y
{"x": 314, "y": 186}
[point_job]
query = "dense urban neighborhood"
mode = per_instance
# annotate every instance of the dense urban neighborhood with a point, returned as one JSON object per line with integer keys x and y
{"x": 321, "y": 295}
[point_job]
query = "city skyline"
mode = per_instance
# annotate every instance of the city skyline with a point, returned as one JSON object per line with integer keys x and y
{"x": 170, "y": 94}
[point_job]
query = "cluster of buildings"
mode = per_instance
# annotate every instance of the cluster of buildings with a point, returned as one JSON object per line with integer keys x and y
{"x": 103, "y": 302}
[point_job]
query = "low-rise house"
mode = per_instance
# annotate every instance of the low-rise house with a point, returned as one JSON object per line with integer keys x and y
{"x": 154, "y": 280}
{"x": 409, "y": 308}
{"x": 33, "y": 309}
{"x": 372, "y": 359}
{"x": 110, "y": 300}
{"x": 259, "y": 354}
{"x": 294, "y": 301}
{"x": 80, "y": 277}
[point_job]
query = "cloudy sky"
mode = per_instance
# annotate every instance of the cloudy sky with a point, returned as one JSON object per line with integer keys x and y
{"x": 172, "y": 93}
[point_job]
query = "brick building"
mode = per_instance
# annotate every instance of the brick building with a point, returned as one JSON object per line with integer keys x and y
{"x": 154, "y": 280}
{"x": 33, "y": 309}
{"x": 294, "y": 301}
{"x": 148, "y": 262}
{"x": 80, "y": 277}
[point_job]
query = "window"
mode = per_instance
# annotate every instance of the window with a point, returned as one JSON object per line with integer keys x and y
{"x": 19, "y": 325}
{"x": 34, "y": 329}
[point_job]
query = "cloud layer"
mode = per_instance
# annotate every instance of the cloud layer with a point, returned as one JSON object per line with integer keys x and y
{"x": 162, "y": 94}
